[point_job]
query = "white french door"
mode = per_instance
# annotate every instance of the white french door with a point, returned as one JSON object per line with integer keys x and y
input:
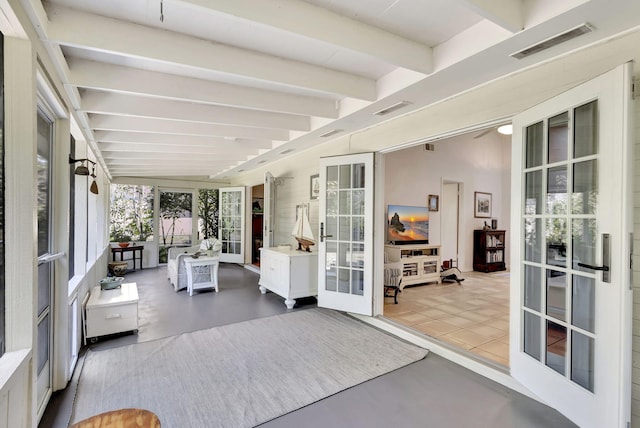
{"x": 231, "y": 224}
{"x": 345, "y": 247}
{"x": 570, "y": 296}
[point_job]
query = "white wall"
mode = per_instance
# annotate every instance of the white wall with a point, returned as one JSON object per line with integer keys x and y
{"x": 414, "y": 173}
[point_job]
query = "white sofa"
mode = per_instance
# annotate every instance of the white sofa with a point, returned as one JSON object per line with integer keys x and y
{"x": 175, "y": 263}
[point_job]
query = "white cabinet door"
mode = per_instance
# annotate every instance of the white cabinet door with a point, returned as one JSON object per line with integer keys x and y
{"x": 570, "y": 294}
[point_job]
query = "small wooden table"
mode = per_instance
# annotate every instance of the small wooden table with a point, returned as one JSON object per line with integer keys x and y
{"x": 122, "y": 250}
{"x": 194, "y": 279}
{"x": 122, "y": 418}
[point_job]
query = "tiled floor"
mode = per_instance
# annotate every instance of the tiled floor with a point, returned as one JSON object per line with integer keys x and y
{"x": 473, "y": 315}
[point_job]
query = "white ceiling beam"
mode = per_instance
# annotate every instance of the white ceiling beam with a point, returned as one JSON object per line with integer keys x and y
{"x": 84, "y": 30}
{"x": 178, "y": 140}
{"x": 508, "y": 14}
{"x": 102, "y": 122}
{"x": 157, "y": 148}
{"x": 186, "y": 159}
{"x": 321, "y": 24}
{"x": 130, "y": 105}
{"x": 162, "y": 173}
{"x": 116, "y": 78}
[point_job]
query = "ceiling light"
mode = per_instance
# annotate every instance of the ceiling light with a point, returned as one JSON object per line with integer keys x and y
{"x": 330, "y": 133}
{"x": 506, "y": 129}
{"x": 392, "y": 108}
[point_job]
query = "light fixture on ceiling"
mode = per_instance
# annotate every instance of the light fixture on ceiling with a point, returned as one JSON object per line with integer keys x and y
{"x": 392, "y": 108}
{"x": 330, "y": 133}
{"x": 506, "y": 129}
{"x": 82, "y": 169}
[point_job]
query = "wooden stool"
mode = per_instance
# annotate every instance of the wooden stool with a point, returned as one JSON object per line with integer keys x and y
{"x": 122, "y": 418}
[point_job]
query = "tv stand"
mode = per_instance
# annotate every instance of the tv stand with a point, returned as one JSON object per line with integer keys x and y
{"x": 420, "y": 262}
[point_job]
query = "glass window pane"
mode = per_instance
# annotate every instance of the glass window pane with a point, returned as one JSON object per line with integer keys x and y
{"x": 583, "y": 303}
{"x": 582, "y": 358}
{"x": 585, "y": 187}
{"x": 332, "y": 177}
{"x": 331, "y": 255}
{"x": 357, "y": 204}
{"x": 558, "y": 137}
{"x": 44, "y": 286}
{"x": 43, "y": 343}
{"x": 556, "y": 292}
{"x": 533, "y": 193}
{"x": 332, "y": 202}
{"x": 332, "y": 227}
{"x": 557, "y": 197}
{"x": 357, "y": 282}
{"x": 345, "y": 202}
{"x": 358, "y": 176}
{"x": 585, "y": 139}
{"x": 45, "y": 129}
{"x": 357, "y": 256}
{"x": 345, "y": 177}
{"x": 344, "y": 285}
{"x": 532, "y": 287}
{"x": 556, "y": 346}
{"x": 556, "y": 231}
{"x": 343, "y": 252}
{"x": 583, "y": 242}
{"x": 331, "y": 282}
{"x": 345, "y": 229}
{"x": 532, "y": 335}
{"x": 534, "y": 144}
{"x": 533, "y": 239}
{"x": 357, "y": 232}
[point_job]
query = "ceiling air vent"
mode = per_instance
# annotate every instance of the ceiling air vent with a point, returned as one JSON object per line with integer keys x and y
{"x": 392, "y": 108}
{"x": 330, "y": 133}
{"x": 553, "y": 41}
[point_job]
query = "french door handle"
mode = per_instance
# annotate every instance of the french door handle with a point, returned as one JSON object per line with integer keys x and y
{"x": 602, "y": 268}
{"x": 322, "y": 235}
{"x": 606, "y": 259}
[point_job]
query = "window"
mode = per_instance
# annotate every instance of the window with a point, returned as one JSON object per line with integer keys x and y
{"x": 207, "y": 213}
{"x": 131, "y": 213}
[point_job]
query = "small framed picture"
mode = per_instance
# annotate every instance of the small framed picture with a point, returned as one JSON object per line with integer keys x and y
{"x": 314, "y": 187}
{"x": 433, "y": 203}
{"x": 482, "y": 205}
{"x": 494, "y": 224}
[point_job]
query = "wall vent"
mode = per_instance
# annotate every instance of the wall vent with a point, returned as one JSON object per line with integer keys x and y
{"x": 330, "y": 133}
{"x": 392, "y": 108}
{"x": 554, "y": 41}
{"x": 429, "y": 147}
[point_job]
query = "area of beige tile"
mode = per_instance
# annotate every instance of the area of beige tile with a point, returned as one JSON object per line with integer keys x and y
{"x": 473, "y": 316}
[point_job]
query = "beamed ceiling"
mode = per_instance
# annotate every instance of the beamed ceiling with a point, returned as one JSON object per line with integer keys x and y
{"x": 206, "y": 89}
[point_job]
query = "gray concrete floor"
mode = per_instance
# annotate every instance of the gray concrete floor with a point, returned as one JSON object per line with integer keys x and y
{"x": 433, "y": 392}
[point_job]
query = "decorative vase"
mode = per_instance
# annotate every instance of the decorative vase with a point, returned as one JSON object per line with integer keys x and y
{"x": 123, "y": 244}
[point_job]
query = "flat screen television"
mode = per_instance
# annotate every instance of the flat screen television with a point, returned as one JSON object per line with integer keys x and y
{"x": 407, "y": 225}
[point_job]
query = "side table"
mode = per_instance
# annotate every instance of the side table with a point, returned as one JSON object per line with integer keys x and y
{"x": 197, "y": 275}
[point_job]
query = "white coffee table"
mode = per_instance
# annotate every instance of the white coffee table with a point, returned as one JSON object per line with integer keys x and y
{"x": 197, "y": 277}
{"x": 111, "y": 311}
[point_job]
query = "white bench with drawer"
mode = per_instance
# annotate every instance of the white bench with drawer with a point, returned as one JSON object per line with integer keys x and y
{"x": 111, "y": 311}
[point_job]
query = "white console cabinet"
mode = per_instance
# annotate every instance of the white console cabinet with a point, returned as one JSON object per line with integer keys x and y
{"x": 111, "y": 311}
{"x": 420, "y": 263}
{"x": 289, "y": 273}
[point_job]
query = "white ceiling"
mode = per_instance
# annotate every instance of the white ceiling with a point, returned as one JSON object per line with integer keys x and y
{"x": 221, "y": 86}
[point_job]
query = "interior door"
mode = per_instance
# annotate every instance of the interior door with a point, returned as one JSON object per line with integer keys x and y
{"x": 570, "y": 296}
{"x": 231, "y": 224}
{"x": 269, "y": 210}
{"x": 345, "y": 247}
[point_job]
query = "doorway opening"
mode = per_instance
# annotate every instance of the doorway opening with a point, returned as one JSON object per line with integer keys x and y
{"x": 257, "y": 222}
{"x": 471, "y": 315}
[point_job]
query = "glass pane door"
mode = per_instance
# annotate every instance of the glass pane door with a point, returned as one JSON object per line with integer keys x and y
{"x": 346, "y": 228}
{"x": 231, "y": 224}
{"x": 570, "y": 292}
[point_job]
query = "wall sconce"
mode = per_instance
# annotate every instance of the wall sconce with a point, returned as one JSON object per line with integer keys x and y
{"x": 82, "y": 169}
